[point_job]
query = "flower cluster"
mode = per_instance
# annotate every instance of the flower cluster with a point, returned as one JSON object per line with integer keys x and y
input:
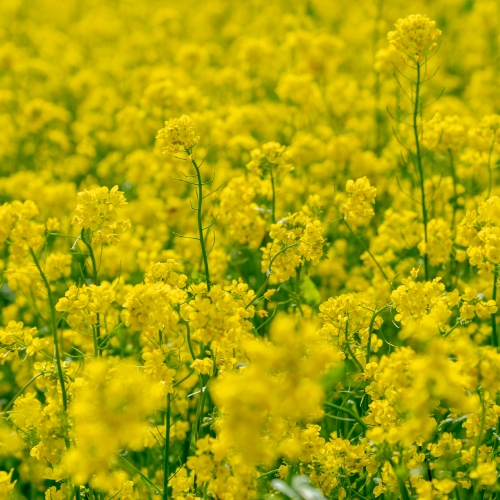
{"x": 19, "y": 227}
{"x": 109, "y": 413}
{"x": 149, "y": 307}
{"x": 220, "y": 315}
{"x": 444, "y": 133}
{"x": 177, "y": 133}
{"x": 479, "y": 231}
{"x": 14, "y": 338}
{"x": 415, "y": 36}
{"x": 297, "y": 239}
{"x": 303, "y": 304}
{"x": 357, "y": 209}
{"x": 439, "y": 243}
{"x": 84, "y": 304}
{"x": 414, "y": 300}
{"x": 98, "y": 210}
{"x": 271, "y": 155}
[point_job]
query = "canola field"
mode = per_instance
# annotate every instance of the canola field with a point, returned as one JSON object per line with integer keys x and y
{"x": 249, "y": 250}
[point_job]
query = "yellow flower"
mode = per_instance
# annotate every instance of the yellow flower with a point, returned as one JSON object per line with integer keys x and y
{"x": 177, "y": 133}
{"x": 98, "y": 210}
{"x": 357, "y": 209}
{"x": 415, "y": 36}
{"x": 203, "y": 366}
{"x": 6, "y": 486}
{"x": 486, "y": 473}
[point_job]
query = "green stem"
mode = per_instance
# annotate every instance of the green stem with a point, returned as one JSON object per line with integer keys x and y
{"x": 91, "y": 255}
{"x": 402, "y": 485}
{"x": 348, "y": 412}
{"x": 166, "y": 464}
{"x": 266, "y": 474}
{"x": 297, "y": 287}
{"x": 455, "y": 183}
{"x": 13, "y": 400}
{"x": 183, "y": 379}
{"x": 490, "y": 172}
{"x": 188, "y": 336}
{"x": 481, "y": 429}
{"x": 456, "y": 325}
{"x": 379, "y": 116}
{"x": 96, "y": 329}
{"x": 133, "y": 470}
{"x": 273, "y": 206}
{"x": 494, "y": 335}
{"x": 199, "y": 413}
{"x": 200, "y": 222}
{"x": 193, "y": 355}
{"x": 427, "y": 466}
{"x": 57, "y": 355}
{"x": 370, "y": 330}
{"x": 418, "y": 155}
{"x": 297, "y": 280}
{"x": 368, "y": 251}
{"x": 268, "y": 274}
{"x": 354, "y": 358}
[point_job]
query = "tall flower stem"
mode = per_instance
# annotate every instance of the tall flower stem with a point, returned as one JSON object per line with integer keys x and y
{"x": 9, "y": 405}
{"x": 371, "y": 325}
{"x": 418, "y": 162}
{"x": 490, "y": 172}
{"x": 91, "y": 255}
{"x": 96, "y": 329}
{"x": 401, "y": 481}
{"x": 481, "y": 428}
{"x": 455, "y": 183}
{"x": 268, "y": 274}
{"x": 378, "y": 115}
{"x": 370, "y": 330}
{"x": 368, "y": 252}
{"x": 166, "y": 464}
{"x": 200, "y": 221}
{"x": 273, "y": 206}
{"x": 494, "y": 334}
{"x": 348, "y": 345}
{"x": 57, "y": 354}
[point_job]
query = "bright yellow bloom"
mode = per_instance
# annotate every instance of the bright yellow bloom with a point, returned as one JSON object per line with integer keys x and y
{"x": 415, "y": 36}
{"x": 177, "y": 133}
{"x": 98, "y": 210}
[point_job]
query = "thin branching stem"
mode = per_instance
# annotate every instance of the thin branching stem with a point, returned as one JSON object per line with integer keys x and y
{"x": 494, "y": 334}
{"x": 57, "y": 354}
{"x": 418, "y": 161}
{"x": 188, "y": 337}
{"x": 368, "y": 251}
{"x": 348, "y": 412}
{"x": 402, "y": 485}
{"x": 268, "y": 274}
{"x": 349, "y": 350}
{"x": 200, "y": 222}
{"x": 273, "y": 202}
{"x": 96, "y": 329}
{"x": 166, "y": 462}
{"x": 481, "y": 428}
{"x": 370, "y": 329}
{"x": 455, "y": 183}
{"x": 8, "y": 406}
{"x": 490, "y": 171}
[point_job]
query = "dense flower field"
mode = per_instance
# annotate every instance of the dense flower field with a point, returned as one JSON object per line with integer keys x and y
{"x": 249, "y": 249}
